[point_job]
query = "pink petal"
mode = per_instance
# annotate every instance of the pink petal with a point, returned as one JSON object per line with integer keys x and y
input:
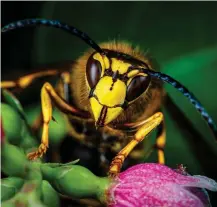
{"x": 201, "y": 193}
{"x": 205, "y": 182}
{"x": 153, "y": 196}
{"x": 161, "y": 173}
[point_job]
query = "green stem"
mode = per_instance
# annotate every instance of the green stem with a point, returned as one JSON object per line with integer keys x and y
{"x": 76, "y": 181}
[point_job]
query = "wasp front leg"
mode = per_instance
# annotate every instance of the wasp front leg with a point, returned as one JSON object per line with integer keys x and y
{"x": 147, "y": 126}
{"x": 159, "y": 146}
{"x": 25, "y": 81}
{"x": 48, "y": 94}
{"x": 160, "y": 142}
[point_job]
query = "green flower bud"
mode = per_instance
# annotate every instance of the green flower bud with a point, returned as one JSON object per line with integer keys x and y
{"x": 75, "y": 181}
{"x": 12, "y": 124}
{"x": 10, "y": 186}
{"x": 14, "y": 160}
{"x": 49, "y": 196}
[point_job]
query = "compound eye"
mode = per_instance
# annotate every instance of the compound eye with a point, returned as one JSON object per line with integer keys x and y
{"x": 93, "y": 72}
{"x": 137, "y": 86}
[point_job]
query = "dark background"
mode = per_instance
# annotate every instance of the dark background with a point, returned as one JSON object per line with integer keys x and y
{"x": 182, "y": 36}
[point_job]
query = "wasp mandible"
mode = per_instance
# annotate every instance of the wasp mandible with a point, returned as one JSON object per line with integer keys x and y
{"x": 114, "y": 87}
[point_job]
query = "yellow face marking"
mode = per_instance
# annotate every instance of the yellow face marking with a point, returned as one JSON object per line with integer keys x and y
{"x": 109, "y": 97}
{"x": 98, "y": 57}
{"x": 96, "y": 108}
{"x": 111, "y": 114}
{"x": 104, "y": 61}
{"x": 104, "y": 96}
{"x": 132, "y": 73}
{"x": 119, "y": 65}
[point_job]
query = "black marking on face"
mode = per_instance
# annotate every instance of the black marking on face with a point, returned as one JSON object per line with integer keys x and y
{"x": 102, "y": 116}
{"x": 108, "y": 72}
{"x": 112, "y": 86}
{"x": 114, "y": 78}
{"x": 116, "y": 75}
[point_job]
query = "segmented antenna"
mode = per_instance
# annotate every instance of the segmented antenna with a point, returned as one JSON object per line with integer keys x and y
{"x": 186, "y": 93}
{"x": 56, "y": 24}
{"x": 90, "y": 42}
{"x": 71, "y": 30}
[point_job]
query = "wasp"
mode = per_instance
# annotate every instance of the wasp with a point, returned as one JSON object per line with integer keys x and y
{"x": 113, "y": 88}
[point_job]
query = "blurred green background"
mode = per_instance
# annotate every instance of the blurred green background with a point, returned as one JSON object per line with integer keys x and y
{"x": 182, "y": 36}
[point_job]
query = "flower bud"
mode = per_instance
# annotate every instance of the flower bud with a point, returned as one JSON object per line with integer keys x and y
{"x": 75, "y": 181}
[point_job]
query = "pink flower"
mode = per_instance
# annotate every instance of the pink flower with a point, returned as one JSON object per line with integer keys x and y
{"x": 155, "y": 185}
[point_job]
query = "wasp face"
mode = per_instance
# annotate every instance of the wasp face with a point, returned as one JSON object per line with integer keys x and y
{"x": 113, "y": 85}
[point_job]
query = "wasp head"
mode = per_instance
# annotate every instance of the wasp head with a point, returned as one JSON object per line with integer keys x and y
{"x": 113, "y": 85}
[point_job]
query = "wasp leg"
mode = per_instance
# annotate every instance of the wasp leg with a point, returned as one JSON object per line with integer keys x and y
{"x": 25, "y": 81}
{"x": 65, "y": 86}
{"x": 160, "y": 142}
{"x": 62, "y": 89}
{"x": 48, "y": 94}
{"x": 147, "y": 126}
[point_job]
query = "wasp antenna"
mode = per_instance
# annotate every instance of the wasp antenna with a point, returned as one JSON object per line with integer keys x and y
{"x": 53, "y": 23}
{"x": 186, "y": 93}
